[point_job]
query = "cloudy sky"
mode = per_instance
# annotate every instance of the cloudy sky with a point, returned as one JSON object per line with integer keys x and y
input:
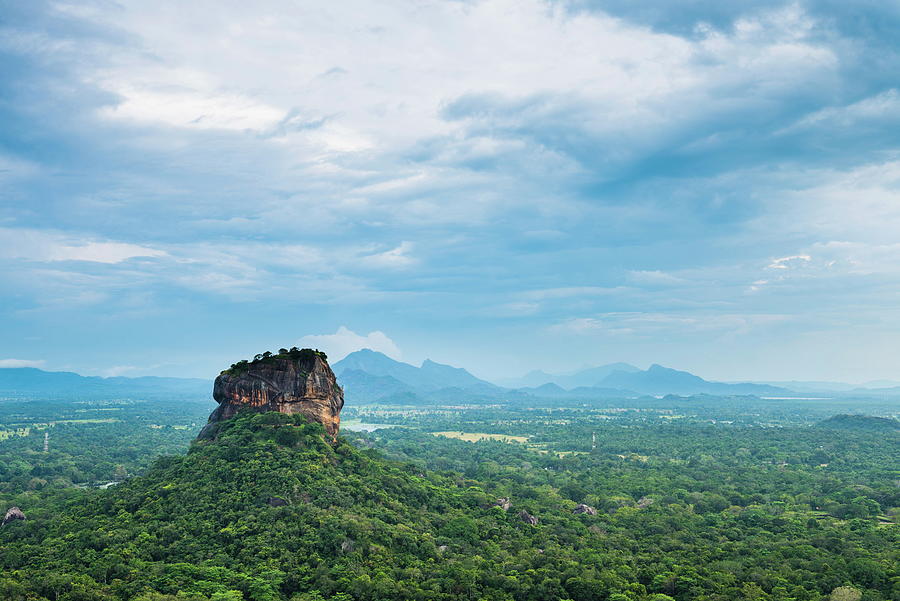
{"x": 501, "y": 184}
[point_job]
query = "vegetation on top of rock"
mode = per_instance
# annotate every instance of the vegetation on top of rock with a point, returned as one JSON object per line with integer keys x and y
{"x": 292, "y": 354}
{"x": 860, "y": 422}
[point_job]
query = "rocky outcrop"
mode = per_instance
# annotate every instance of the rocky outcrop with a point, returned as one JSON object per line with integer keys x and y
{"x": 14, "y": 513}
{"x": 295, "y": 381}
{"x": 503, "y": 503}
{"x": 528, "y": 518}
{"x": 586, "y": 509}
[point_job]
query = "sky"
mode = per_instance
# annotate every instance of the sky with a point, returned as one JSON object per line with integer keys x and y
{"x": 502, "y": 185}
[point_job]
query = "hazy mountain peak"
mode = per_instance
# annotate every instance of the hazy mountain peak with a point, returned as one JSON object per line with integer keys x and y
{"x": 431, "y": 376}
{"x": 658, "y": 379}
{"x": 587, "y": 376}
{"x": 25, "y": 381}
{"x": 428, "y": 363}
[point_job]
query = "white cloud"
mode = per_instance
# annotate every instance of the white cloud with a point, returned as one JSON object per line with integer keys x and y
{"x": 348, "y": 71}
{"x": 35, "y": 245}
{"x": 857, "y": 204}
{"x": 788, "y": 262}
{"x": 9, "y": 363}
{"x": 662, "y": 325}
{"x": 513, "y": 310}
{"x": 875, "y": 109}
{"x": 100, "y": 252}
{"x": 190, "y": 109}
{"x": 395, "y": 258}
{"x": 654, "y": 277}
{"x": 345, "y": 341}
{"x": 13, "y": 168}
{"x": 578, "y": 325}
{"x": 570, "y": 292}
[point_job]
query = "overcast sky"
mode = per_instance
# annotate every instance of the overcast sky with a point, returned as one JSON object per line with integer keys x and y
{"x": 500, "y": 185}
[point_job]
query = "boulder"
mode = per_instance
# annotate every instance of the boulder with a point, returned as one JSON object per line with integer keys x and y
{"x": 528, "y": 518}
{"x": 586, "y": 509}
{"x": 503, "y": 503}
{"x": 644, "y": 502}
{"x": 12, "y": 514}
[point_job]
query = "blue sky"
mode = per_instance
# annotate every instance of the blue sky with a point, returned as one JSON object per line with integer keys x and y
{"x": 501, "y": 185}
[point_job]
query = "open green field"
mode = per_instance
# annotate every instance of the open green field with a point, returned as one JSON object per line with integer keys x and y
{"x": 476, "y": 436}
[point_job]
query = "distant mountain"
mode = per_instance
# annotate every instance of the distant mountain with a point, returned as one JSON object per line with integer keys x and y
{"x": 532, "y": 379}
{"x": 881, "y": 384}
{"x": 549, "y": 389}
{"x": 875, "y": 392}
{"x": 584, "y": 393}
{"x": 30, "y": 382}
{"x": 810, "y": 386}
{"x": 376, "y": 364}
{"x": 658, "y": 380}
{"x": 590, "y": 376}
{"x": 368, "y": 375}
{"x": 860, "y": 422}
{"x": 365, "y": 387}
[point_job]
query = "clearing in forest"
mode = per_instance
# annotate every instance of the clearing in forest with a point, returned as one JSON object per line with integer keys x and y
{"x": 476, "y": 436}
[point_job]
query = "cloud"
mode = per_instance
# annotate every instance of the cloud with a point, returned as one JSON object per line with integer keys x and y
{"x": 35, "y": 245}
{"x": 569, "y": 292}
{"x": 395, "y": 258}
{"x": 788, "y": 262}
{"x": 663, "y": 325}
{"x": 655, "y": 277}
{"x": 192, "y": 110}
{"x": 11, "y": 363}
{"x": 586, "y": 158}
{"x": 345, "y": 341}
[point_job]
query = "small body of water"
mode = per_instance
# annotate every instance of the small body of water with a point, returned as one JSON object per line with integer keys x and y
{"x": 355, "y": 426}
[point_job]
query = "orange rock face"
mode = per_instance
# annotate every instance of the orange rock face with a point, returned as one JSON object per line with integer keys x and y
{"x": 305, "y": 385}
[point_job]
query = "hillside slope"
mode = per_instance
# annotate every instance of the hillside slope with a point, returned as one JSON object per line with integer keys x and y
{"x": 270, "y": 510}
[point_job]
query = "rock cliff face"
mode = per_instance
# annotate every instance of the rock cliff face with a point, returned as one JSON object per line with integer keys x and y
{"x": 12, "y": 514}
{"x": 290, "y": 382}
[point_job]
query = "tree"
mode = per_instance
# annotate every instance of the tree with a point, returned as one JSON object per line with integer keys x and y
{"x": 845, "y": 593}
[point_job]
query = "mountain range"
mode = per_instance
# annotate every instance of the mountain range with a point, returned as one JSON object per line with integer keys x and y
{"x": 369, "y": 376}
{"x": 372, "y": 376}
{"x": 588, "y": 376}
{"x": 31, "y": 381}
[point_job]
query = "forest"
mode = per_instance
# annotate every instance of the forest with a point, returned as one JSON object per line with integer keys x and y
{"x": 687, "y": 499}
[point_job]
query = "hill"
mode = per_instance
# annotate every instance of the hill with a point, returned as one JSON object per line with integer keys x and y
{"x": 270, "y": 510}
